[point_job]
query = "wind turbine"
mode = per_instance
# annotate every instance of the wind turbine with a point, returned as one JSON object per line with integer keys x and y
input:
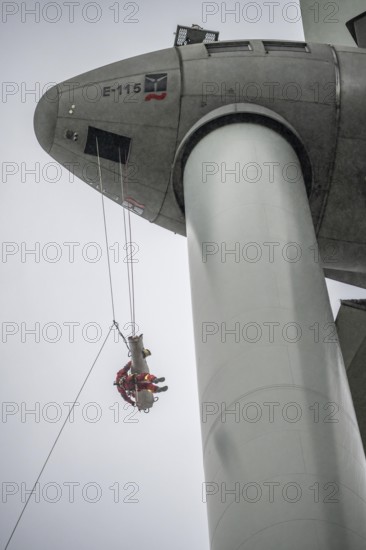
{"x": 256, "y": 150}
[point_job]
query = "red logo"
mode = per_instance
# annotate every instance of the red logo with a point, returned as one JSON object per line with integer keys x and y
{"x": 155, "y": 96}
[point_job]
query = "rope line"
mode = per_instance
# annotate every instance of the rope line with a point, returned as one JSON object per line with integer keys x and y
{"x": 131, "y": 267}
{"x": 57, "y": 438}
{"x": 123, "y": 337}
{"x": 126, "y": 246}
{"x": 132, "y": 278}
{"x": 115, "y": 324}
{"x": 105, "y": 229}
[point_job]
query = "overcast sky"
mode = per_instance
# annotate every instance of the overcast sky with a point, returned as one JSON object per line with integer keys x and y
{"x": 115, "y": 479}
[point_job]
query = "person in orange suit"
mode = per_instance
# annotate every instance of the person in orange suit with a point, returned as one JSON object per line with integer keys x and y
{"x": 127, "y": 384}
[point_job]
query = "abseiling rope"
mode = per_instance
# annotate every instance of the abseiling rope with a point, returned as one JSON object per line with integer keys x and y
{"x": 56, "y": 440}
{"x": 105, "y": 229}
{"x": 131, "y": 285}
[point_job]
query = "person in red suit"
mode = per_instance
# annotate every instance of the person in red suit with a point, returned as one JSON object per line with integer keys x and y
{"x": 128, "y": 384}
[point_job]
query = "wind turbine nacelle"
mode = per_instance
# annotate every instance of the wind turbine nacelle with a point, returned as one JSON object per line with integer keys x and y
{"x": 147, "y": 112}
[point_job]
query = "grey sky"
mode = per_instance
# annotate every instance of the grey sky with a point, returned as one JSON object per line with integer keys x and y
{"x": 156, "y": 458}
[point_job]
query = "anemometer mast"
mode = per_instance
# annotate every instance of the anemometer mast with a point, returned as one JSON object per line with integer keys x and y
{"x": 256, "y": 151}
